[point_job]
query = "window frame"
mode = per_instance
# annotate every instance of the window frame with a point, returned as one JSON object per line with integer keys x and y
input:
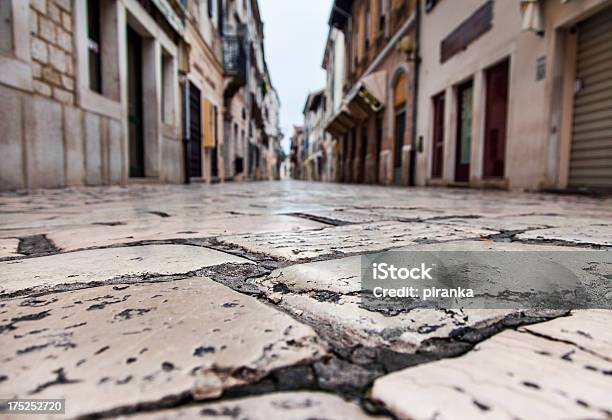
{"x": 94, "y": 46}
{"x": 15, "y": 67}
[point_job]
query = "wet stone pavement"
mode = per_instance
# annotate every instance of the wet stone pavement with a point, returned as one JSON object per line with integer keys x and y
{"x": 242, "y": 301}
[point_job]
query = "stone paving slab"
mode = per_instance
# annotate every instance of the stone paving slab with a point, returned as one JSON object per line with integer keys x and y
{"x": 587, "y": 329}
{"x": 171, "y": 228}
{"x": 512, "y": 375}
{"x": 8, "y": 248}
{"x": 181, "y": 319}
{"x": 350, "y": 239}
{"x": 596, "y": 234}
{"x": 524, "y": 222}
{"x": 117, "y": 346}
{"x": 99, "y": 265}
{"x": 282, "y": 405}
{"x": 326, "y": 293}
{"x": 369, "y": 215}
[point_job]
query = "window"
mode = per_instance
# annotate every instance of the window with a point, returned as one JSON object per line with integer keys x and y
{"x": 94, "y": 45}
{"x": 355, "y": 47}
{"x": 241, "y": 142}
{"x": 382, "y": 15}
{"x": 167, "y": 88}
{"x": 6, "y": 27}
{"x": 438, "y": 136}
{"x": 209, "y": 8}
{"x": 430, "y": 4}
{"x": 366, "y": 34}
{"x": 236, "y": 139}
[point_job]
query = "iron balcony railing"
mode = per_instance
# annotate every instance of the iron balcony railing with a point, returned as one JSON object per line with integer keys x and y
{"x": 234, "y": 57}
{"x": 234, "y": 63}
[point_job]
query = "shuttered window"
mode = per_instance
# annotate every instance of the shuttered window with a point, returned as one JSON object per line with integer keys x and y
{"x": 210, "y": 123}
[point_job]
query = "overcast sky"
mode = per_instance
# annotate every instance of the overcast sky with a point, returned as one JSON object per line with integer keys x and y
{"x": 295, "y": 34}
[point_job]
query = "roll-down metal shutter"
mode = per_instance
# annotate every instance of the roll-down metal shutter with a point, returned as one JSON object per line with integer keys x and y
{"x": 591, "y": 155}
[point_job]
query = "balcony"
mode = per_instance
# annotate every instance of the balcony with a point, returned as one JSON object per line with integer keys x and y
{"x": 234, "y": 63}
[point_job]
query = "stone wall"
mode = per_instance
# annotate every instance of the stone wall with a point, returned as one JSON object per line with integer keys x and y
{"x": 48, "y": 141}
{"x": 52, "y": 49}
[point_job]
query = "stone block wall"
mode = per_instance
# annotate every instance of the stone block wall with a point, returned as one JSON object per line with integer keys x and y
{"x": 52, "y": 49}
{"x": 49, "y": 140}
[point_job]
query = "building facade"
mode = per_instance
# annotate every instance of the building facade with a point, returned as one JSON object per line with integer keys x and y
{"x": 370, "y": 53}
{"x": 516, "y": 94}
{"x": 298, "y": 153}
{"x": 73, "y": 79}
{"x": 273, "y": 150}
{"x": 202, "y": 88}
{"x": 251, "y": 123}
{"x": 315, "y": 162}
{"x": 101, "y": 92}
{"x": 490, "y": 93}
{"x": 334, "y": 66}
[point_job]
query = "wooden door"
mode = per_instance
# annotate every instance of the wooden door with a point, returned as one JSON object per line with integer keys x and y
{"x": 464, "y": 132}
{"x": 438, "y": 136}
{"x": 496, "y": 121}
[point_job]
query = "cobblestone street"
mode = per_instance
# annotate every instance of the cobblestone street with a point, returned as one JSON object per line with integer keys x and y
{"x": 241, "y": 300}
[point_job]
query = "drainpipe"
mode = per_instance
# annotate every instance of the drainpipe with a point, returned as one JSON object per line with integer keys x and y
{"x": 415, "y": 100}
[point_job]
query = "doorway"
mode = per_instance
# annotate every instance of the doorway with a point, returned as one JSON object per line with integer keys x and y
{"x": 496, "y": 120}
{"x": 379, "y": 140}
{"x": 195, "y": 132}
{"x": 464, "y": 132}
{"x": 591, "y": 148}
{"x": 437, "y": 161}
{"x": 135, "y": 106}
{"x": 364, "y": 149}
{"x": 400, "y": 130}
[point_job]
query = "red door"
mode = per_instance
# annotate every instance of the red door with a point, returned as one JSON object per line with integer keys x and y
{"x": 496, "y": 121}
{"x": 438, "y": 137}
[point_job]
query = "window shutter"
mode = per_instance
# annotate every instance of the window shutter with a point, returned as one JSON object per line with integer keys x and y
{"x": 206, "y": 118}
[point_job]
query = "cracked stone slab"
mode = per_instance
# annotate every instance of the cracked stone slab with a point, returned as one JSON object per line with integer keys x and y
{"x": 588, "y": 329}
{"x": 350, "y": 239}
{"x": 512, "y": 375}
{"x": 325, "y": 294}
{"x": 99, "y": 265}
{"x": 118, "y": 346}
{"x": 174, "y": 228}
{"x": 523, "y": 222}
{"x": 600, "y": 234}
{"x": 8, "y": 248}
{"x": 379, "y": 214}
{"x": 282, "y": 405}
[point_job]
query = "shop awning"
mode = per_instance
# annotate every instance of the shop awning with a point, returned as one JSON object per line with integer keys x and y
{"x": 340, "y": 122}
{"x": 532, "y": 16}
{"x": 368, "y": 96}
